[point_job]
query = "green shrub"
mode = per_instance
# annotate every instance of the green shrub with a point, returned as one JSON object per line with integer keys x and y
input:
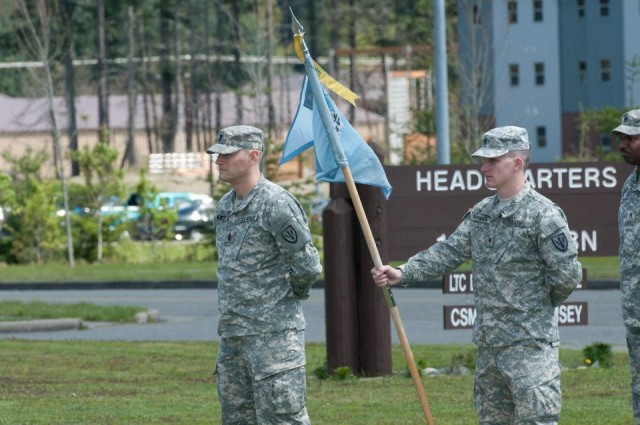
{"x": 342, "y": 373}
{"x": 598, "y": 352}
{"x": 321, "y": 372}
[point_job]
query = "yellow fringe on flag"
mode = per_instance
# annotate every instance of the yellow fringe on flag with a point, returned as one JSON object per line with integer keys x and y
{"x": 327, "y": 80}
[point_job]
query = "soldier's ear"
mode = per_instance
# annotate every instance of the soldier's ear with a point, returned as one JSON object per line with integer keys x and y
{"x": 519, "y": 163}
{"x": 255, "y": 156}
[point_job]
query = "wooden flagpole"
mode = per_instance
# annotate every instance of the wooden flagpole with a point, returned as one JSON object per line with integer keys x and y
{"x": 388, "y": 295}
{"x": 338, "y": 152}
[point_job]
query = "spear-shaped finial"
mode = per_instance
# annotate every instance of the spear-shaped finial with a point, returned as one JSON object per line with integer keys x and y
{"x": 296, "y": 27}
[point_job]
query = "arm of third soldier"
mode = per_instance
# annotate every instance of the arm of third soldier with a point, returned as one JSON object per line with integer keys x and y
{"x": 563, "y": 270}
{"x": 431, "y": 263}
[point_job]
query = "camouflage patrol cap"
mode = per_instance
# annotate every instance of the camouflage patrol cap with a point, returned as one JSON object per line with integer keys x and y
{"x": 237, "y": 137}
{"x": 630, "y": 124}
{"x": 500, "y": 140}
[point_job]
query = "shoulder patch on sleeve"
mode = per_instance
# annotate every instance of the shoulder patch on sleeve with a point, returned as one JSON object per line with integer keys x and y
{"x": 290, "y": 234}
{"x": 560, "y": 241}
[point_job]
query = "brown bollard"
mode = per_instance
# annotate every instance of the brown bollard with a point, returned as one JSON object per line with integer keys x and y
{"x": 373, "y": 312}
{"x": 341, "y": 317}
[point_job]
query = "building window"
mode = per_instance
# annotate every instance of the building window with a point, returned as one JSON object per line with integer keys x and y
{"x": 514, "y": 74}
{"x": 512, "y": 11}
{"x": 539, "y": 73}
{"x": 580, "y": 4}
{"x": 537, "y": 10}
{"x": 476, "y": 15}
{"x": 541, "y": 136}
{"x": 605, "y": 142}
{"x": 605, "y": 70}
{"x": 604, "y": 7}
{"x": 582, "y": 71}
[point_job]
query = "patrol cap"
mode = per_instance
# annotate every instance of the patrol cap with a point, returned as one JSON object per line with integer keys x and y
{"x": 630, "y": 124}
{"x": 500, "y": 140}
{"x": 237, "y": 137}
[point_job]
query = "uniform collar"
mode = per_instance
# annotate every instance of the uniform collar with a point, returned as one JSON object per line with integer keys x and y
{"x": 240, "y": 205}
{"x": 492, "y": 211}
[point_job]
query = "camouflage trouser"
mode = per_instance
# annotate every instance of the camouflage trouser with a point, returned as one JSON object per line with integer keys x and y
{"x": 633, "y": 344}
{"x": 518, "y": 384}
{"x": 261, "y": 379}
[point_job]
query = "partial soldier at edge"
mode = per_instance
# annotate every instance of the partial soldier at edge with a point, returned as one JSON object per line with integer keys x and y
{"x": 628, "y": 133}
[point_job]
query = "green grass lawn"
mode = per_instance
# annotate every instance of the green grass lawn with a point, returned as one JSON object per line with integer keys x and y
{"x": 128, "y": 383}
{"x": 597, "y": 268}
{"x": 162, "y": 271}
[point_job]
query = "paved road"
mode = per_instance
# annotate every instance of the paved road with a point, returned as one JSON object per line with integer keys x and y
{"x": 191, "y": 315}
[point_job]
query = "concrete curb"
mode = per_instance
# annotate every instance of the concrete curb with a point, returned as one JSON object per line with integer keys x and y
{"x": 42, "y": 325}
{"x": 66, "y": 324}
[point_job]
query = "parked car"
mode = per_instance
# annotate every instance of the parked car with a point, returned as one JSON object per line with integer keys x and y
{"x": 129, "y": 211}
{"x": 195, "y": 220}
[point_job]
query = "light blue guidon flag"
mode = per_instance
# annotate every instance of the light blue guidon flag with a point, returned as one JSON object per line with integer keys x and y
{"x": 308, "y": 130}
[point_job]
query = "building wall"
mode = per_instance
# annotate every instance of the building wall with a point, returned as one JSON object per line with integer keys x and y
{"x": 17, "y": 145}
{"x": 590, "y": 35}
{"x": 566, "y": 38}
{"x": 592, "y": 38}
{"x": 630, "y": 43}
{"x": 529, "y": 104}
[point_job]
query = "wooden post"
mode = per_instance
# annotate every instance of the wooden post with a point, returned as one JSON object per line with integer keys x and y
{"x": 373, "y": 312}
{"x": 340, "y": 291}
{"x": 356, "y": 313}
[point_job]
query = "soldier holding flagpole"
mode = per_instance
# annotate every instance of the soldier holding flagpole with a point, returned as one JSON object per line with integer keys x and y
{"x": 524, "y": 265}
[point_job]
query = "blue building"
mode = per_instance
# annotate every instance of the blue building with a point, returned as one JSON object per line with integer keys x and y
{"x": 548, "y": 60}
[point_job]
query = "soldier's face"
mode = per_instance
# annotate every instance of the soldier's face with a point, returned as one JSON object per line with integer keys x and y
{"x": 630, "y": 148}
{"x": 234, "y": 167}
{"x": 499, "y": 172}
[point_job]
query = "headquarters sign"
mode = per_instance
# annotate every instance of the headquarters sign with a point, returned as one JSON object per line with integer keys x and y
{"x": 429, "y": 201}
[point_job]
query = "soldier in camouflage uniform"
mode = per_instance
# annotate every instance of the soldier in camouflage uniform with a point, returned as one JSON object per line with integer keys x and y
{"x": 266, "y": 265}
{"x": 629, "y": 227}
{"x": 524, "y": 265}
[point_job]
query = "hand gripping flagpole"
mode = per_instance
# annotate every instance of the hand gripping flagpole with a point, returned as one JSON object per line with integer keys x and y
{"x": 342, "y": 162}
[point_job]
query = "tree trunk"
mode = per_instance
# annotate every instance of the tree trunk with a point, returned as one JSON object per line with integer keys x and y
{"x": 206, "y": 117}
{"x": 271, "y": 113}
{"x": 191, "y": 95}
{"x": 218, "y": 84}
{"x": 131, "y": 154}
{"x": 103, "y": 95}
{"x": 352, "y": 57}
{"x": 313, "y": 29}
{"x": 150, "y": 114}
{"x": 69, "y": 83}
{"x": 177, "y": 66}
{"x": 235, "y": 17}
{"x": 167, "y": 79}
{"x": 335, "y": 35}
